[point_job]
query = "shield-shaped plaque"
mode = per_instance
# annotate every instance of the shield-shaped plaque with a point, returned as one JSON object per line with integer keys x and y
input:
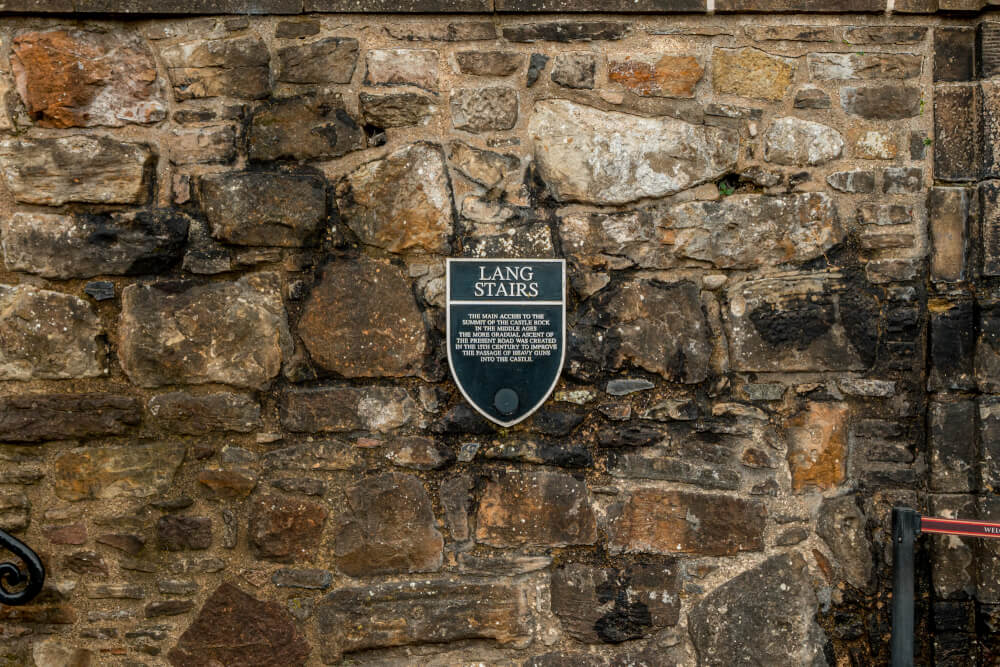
{"x": 506, "y": 333}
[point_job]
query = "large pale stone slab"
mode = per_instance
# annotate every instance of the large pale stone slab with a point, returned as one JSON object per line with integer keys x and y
{"x": 78, "y": 168}
{"x": 601, "y": 157}
{"x": 801, "y": 142}
{"x": 48, "y": 336}
{"x": 231, "y": 333}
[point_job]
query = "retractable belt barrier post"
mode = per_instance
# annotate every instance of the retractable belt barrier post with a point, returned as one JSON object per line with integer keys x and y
{"x": 907, "y": 525}
{"x": 26, "y": 585}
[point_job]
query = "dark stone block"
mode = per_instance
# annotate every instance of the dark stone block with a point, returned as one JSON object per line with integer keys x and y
{"x": 988, "y": 49}
{"x": 535, "y": 67}
{"x": 988, "y": 346}
{"x": 180, "y": 533}
{"x": 184, "y": 6}
{"x": 953, "y": 446}
{"x": 566, "y": 31}
{"x": 953, "y": 345}
{"x": 30, "y": 418}
{"x": 800, "y": 6}
{"x": 947, "y": 214}
{"x": 956, "y": 136}
{"x": 399, "y": 6}
{"x": 100, "y": 290}
{"x": 990, "y": 128}
{"x": 888, "y": 102}
{"x": 989, "y": 227}
{"x": 954, "y": 54}
{"x": 608, "y": 6}
{"x": 954, "y": 616}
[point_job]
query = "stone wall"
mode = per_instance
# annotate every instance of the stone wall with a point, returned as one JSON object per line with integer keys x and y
{"x": 228, "y": 424}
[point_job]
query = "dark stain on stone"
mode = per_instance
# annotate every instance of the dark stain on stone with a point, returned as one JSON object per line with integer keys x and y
{"x": 796, "y": 321}
{"x": 628, "y": 619}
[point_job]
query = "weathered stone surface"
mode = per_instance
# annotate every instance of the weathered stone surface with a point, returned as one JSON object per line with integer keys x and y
{"x": 751, "y": 73}
{"x": 834, "y": 66}
{"x": 658, "y": 327}
{"x": 237, "y": 67}
{"x": 168, "y": 608}
{"x": 387, "y": 527}
{"x": 322, "y": 457}
{"x": 77, "y": 168}
{"x": 989, "y": 226}
{"x": 419, "y": 453}
{"x": 790, "y": 33}
{"x": 954, "y": 53}
{"x": 203, "y": 145}
{"x": 226, "y": 485}
{"x": 902, "y": 180}
{"x": 987, "y": 363}
{"x": 393, "y": 67}
{"x": 136, "y": 471}
{"x": 817, "y": 446}
{"x": 872, "y": 144}
{"x": 464, "y": 31}
{"x": 574, "y": 69}
{"x": 544, "y": 508}
{"x": 670, "y": 522}
{"x": 15, "y": 512}
{"x": 181, "y": 533}
{"x": 854, "y": 182}
{"x": 40, "y": 417}
{"x": 401, "y": 202}
{"x": 264, "y": 208}
{"x": 227, "y": 332}
{"x": 656, "y": 74}
{"x": 536, "y": 64}
{"x": 956, "y": 133}
{"x": 565, "y": 31}
{"x": 194, "y": 414}
{"x": 888, "y": 102}
{"x": 841, "y": 524}
{"x": 486, "y": 168}
{"x": 609, "y": 605}
{"x": 810, "y": 321}
{"x": 285, "y": 530}
{"x": 484, "y": 109}
{"x": 764, "y": 616}
{"x": 801, "y": 142}
{"x": 361, "y": 320}
{"x": 328, "y": 60}
{"x": 489, "y": 63}
{"x": 303, "y": 128}
{"x": 746, "y": 231}
{"x": 53, "y": 653}
{"x": 639, "y": 157}
{"x": 234, "y": 628}
{"x": 48, "y": 336}
{"x": 952, "y": 446}
{"x": 811, "y": 98}
{"x": 952, "y": 344}
{"x": 424, "y": 611}
{"x": 396, "y": 109}
{"x": 989, "y": 92}
{"x": 332, "y": 409}
{"x": 908, "y": 34}
{"x": 76, "y": 78}
{"x": 86, "y": 245}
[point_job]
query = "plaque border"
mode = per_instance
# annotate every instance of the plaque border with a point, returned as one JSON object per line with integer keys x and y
{"x": 562, "y": 355}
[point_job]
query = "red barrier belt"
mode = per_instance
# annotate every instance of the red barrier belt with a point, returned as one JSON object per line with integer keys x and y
{"x": 929, "y": 524}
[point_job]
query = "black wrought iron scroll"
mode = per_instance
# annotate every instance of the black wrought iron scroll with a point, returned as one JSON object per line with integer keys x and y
{"x": 16, "y": 586}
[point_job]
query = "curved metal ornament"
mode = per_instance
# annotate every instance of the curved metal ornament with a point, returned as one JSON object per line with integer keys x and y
{"x": 11, "y": 574}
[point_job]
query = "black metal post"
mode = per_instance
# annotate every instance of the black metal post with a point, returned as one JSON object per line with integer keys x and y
{"x": 905, "y": 528}
{"x": 11, "y": 574}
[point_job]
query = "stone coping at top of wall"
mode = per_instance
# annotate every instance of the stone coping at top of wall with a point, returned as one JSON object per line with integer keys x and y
{"x": 175, "y": 7}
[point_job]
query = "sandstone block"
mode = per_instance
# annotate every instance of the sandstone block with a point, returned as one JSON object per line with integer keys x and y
{"x": 435, "y": 610}
{"x": 387, "y": 527}
{"x": 48, "y": 336}
{"x": 78, "y": 78}
{"x": 181, "y": 533}
{"x": 872, "y": 144}
{"x": 401, "y": 202}
{"x": 135, "y": 471}
{"x": 396, "y": 109}
{"x": 236, "y": 67}
{"x": 535, "y": 508}
{"x": 484, "y": 109}
{"x": 657, "y": 75}
{"x": 234, "y": 628}
{"x": 574, "y": 70}
{"x": 751, "y": 73}
{"x": 565, "y": 31}
{"x": 333, "y": 409}
{"x": 954, "y": 53}
{"x": 77, "y": 168}
{"x": 854, "y": 182}
{"x": 801, "y": 142}
{"x": 836, "y": 66}
{"x": 194, "y": 414}
{"x": 489, "y": 63}
{"x": 209, "y": 144}
{"x": 328, "y": 60}
{"x": 952, "y": 344}
{"x": 86, "y": 245}
{"x": 264, "y": 208}
{"x": 303, "y": 128}
{"x": 888, "y": 102}
{"x": 228, "y": 332}
{"x": 412, "y": 67}
{"x": 361, "y": 320}
{"x": 953, "y": 457}
{"x": 672, "y": 522}
{"x": 817, "y": 447}
{"x": 39, "y": 417}
{"x": 948, "y": 212}
{"x": 285, "y": 530}
{"x": 639, "y": 157}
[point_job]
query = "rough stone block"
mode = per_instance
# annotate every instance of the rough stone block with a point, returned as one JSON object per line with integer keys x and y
{"x": 545, "y": 508}
{"x": 39, "y": 417}
{"x": 948, "y": 214}
{"x": 817, "y": 447}
{"x": 565, "y": 31}
{"x": 838, "y": 66}
{"x": 674, "y": 522}
{"x": 396, "y": 109}
{"x": 953, "y": 458}
{"x": 800, "y": 6}
{"x": 989, "y": 227}
{"x": 285, "y": 530}
{"x": 988, "y": 345}
{"x": 886, "y": 102}
{"x": 237, "y": 67}
{"x": 434, "y": 610}
{"x": 990, "y": 127}
{"x": 489, "y": 63}
{"x": 988, "y": 49}
{"x": 752, "y": 73}
{"x": 77, "y": 168}
{"x": 952, "y": 567}
{"x": 956, "y": 133}
{"x": 203, "y": 145}
{"x": 402, "y": 67}
{"x": 484, "y": 109}
{"x": 989, "y": 439}
{"x": 227, "y": 332}
{"x": 954, "y": 53}
{"x": 397, "y": 6}
{"x": 303, "y": 128}
{"x": 952, "y": 344}
{"x": 328, "y": 60}
{"x": 194, "y": 414}
{"x": 135, "y": 471}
